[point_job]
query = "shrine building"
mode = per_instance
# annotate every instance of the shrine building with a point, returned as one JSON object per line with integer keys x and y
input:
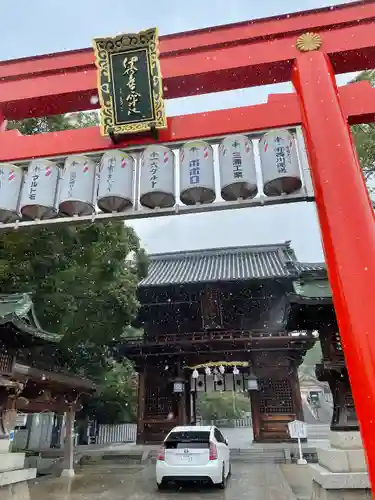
{"x": 230, "y": 318}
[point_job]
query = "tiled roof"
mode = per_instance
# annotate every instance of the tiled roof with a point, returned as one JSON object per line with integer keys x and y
{"x": 18, "y": 309}
{"x": 310, "y": 267}
{"x": 221, "y": 264}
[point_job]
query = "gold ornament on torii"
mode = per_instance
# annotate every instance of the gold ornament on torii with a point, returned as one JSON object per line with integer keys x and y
{"x": 309, "y": 42}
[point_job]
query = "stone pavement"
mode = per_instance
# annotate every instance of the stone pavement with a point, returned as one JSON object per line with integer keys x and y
{"x": 239, "y": 438}
{"x": 250, "y": 482}
{"x": 242, "y": 438}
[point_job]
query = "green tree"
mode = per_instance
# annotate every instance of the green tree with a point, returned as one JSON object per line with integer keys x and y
{"x": 56, "y": 123}
{"x": 311, "y": 359}
{"x": 116, "y": 398}
{"x": 222, "y": 405}
{"x": 364, "y": 134}
{"x": 84, "y": 284}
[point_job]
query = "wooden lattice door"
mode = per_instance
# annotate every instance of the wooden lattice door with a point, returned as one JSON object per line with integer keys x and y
{"x": 159, "y": 403}
{"x": 159, "y": 406}
{"x": 275, "y": 396}
{"x": 276, "y": 409}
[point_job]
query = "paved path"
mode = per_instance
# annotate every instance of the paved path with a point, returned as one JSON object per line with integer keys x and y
{"x": 242, "y": 438}
{"x": 250, "y": 482}
{"x": 321, "y": 415}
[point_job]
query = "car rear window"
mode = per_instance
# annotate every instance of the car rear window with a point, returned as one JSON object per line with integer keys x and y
{"x": 192, "y": 439}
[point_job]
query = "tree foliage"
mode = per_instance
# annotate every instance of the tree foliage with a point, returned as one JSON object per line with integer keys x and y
{"x": 116, "y": 398}
{"x": 364, "y": 134}
{"x": 83, "y": 285}
{"x": 222, "y": 405}
{"x": 56, "y": 123}
{"x": 83, "y": 280}
{"x": 311, "y": 359}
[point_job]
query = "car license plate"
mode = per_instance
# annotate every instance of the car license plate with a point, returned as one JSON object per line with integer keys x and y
{"x": 186, "y": 458}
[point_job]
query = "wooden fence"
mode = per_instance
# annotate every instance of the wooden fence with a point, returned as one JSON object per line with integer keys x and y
{"x": 117, "y": 433}
{"x": 224, "y": 423}
{"x": 127, "y": 433}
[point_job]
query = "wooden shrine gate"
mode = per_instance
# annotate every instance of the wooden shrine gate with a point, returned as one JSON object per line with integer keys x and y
{"x": 277, "y": 402}
{"x": 265, "y": 350}
{"x": 274, "y": 400}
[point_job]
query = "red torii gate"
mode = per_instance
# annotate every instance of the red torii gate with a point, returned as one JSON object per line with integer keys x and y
{"x": 237, "y": 56}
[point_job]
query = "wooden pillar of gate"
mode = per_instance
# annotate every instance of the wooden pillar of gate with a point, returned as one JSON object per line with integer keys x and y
{"x": 160, "y": 406}
{"x": 332, "y": 369}
{"x": 278, "y": 400}
{"x": 188, "y": 402}
{"x": 255, "y": 414}
{"x": 254, "y": 401}
{"x": 182, "y": 405}
{"x": 296, "y": 392}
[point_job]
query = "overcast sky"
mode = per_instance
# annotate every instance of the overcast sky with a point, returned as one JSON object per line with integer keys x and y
{"x": 46, "y": 26}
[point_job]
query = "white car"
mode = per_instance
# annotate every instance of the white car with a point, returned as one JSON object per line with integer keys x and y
{"x": 193, "y": 454}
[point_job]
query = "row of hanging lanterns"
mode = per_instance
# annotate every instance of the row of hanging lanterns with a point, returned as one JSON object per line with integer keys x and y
{"x": 216, "y": 371}
{"x": 46, "y": 190}
{"x": 252, "y": 382}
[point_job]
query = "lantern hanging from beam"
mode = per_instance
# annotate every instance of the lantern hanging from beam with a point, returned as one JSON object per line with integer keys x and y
{"x": 279, "y": 163}
{"x": 10, "y": 189}
{"x": 116, "y": 181}
{"x": 39, "y": 198}
{"x": 78, "y": 186}
{"x": 197, "y": 181}
{"x": 238, "y": 177}
{"x": 157, "y": 183}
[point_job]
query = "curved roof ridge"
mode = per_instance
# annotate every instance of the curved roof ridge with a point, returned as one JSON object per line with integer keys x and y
{"x": 201, "y": 252}
{"x": 240, "y": 263}
{"x": 310, "y": 266}
{"x": 18, "y": 308}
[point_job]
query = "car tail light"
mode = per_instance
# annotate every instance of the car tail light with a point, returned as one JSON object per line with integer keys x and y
{"x": 213, "y": 451}
{"x": 161, "y": 454}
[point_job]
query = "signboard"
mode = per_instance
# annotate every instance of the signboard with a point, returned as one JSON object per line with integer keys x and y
{"x": 297, "y": 429}
{"x": 21, "y": 420}
{"x": 314, "y": 398}
{"x": 178, "y": 387}
{"x": 130, "y": 83}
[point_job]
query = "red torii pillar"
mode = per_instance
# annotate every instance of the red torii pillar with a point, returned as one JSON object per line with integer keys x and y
{"x": 347, "y": 225}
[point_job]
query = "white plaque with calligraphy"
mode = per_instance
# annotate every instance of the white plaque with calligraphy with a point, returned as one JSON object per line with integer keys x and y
{"x": 297, "y": 429}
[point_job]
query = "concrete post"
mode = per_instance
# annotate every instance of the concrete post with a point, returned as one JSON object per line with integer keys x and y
{"x": 68, "y": 465}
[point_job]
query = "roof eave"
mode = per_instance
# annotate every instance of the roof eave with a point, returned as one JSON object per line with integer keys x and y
{"x": 214, "y": 282}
